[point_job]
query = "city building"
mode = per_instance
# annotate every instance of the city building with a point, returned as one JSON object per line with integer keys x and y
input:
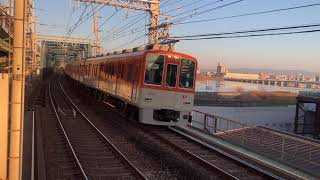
{"x": 221, "y": 70}
{"x": 264, "y": 76}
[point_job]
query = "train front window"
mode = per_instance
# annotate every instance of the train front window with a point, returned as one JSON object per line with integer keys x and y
{"x": 187, "y": 69}
{"x": 171, "y": 77}
{"x": 154, "y": 69}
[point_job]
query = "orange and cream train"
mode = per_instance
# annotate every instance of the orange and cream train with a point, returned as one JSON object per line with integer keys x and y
{"x": 154, "y": 86}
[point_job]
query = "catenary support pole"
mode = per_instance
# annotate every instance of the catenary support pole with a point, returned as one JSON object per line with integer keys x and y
{"x": 17, "y": 92}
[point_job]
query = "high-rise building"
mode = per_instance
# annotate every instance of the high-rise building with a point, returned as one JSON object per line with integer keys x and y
{"x": 221, "y": 70}
{"x": 317, "y": 78}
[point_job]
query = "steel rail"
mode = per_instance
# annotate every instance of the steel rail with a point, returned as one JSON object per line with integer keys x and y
{"x": 130, "y": 165}
{"x": 226, "y": 174}
{"x": 197, "y": 140}
{"x": 194, "y": 156}
{"x": 66, "y": 136}
{"x": 269, "y": 174}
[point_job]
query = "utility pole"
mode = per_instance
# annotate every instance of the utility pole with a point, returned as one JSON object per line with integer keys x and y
{"x": 17, "y": 94}
{"x": 96, "y": 31}
{"x": 151, "y": 6}
{"x": 33, "y": 37}
{"x": 30, "y": 40}
{"x": 154, "y": 22}
{"x": 9, "y": 6}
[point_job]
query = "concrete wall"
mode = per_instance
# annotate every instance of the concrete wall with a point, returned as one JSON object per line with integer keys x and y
{"x": 4, "y": 104}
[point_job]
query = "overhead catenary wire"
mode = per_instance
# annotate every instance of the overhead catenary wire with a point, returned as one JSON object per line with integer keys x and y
{"x": 194, "y": 9}
{"x": 124, "y": 27}
{"x": 252, "y": 35}
{"x": 251, "y": 31}
{"x": 70, "y": 16}
{"x": 105, "y": 21}
{"x": 113, "y": 34}
{"x": 130, "y": 32}
{"x": 140, "y": 37}
{"x": 165, "y": 5}
{"x": 127, "y": 33}
{"x": 205, "y": 11}
{"x": 69, "y": 32}
{"x": 81, "y": 21}
{"x": 200, "y": 7}
{"x": 166, "y": 2}
{"x": 250, "y": 14}
{"x": 112, "y": 31}
{"x": 228, "y": 4}
{"x": 181, "y": 7}
{"x": 123, "y": 32}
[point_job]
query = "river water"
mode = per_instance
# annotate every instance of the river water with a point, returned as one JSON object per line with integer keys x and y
{"x": 277, "y": 117}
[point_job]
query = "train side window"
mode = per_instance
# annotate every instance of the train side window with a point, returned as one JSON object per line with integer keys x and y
{"x": 154, "y": 69}
{"x": 105, "y": 70}
{"x": 130, "y": 73}
{"x": 112, "y": 70}
{"x": 118, "y": 70}
{"x": 101, "y": 69}
{"x": 137, "y": 73}
{"x": 98, "y": 70}
{"x": 122, "y": 71}
{"x": 109, "y": 70}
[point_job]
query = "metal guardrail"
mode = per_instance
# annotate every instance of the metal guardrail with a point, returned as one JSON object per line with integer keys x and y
{"x": 215, "y": 124}
{"x": 297, "y": 152}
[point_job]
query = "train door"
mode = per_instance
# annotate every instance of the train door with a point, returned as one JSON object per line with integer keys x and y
{"x": 135, "y": 82}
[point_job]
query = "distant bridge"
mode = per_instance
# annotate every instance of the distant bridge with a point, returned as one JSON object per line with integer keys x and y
{"x": 57, "y": 50}
{"x": 280, "y": 83}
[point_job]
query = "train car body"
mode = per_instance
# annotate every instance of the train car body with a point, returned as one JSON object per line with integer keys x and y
{"x": 158, "y": 84}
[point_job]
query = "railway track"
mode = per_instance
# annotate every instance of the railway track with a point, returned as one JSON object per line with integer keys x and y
{"x": 216, "y": 162}
{"x": 95, "y": 156}
{"x": 58, "y": 159}
{"x": 220, "y": 161}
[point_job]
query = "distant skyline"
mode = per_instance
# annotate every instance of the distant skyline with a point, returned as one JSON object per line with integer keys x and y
{"x": 264, "y": 70}
{"x": 289, "y": 52}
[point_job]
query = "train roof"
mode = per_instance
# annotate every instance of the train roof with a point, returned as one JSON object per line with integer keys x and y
{"x": 136, "y": 52}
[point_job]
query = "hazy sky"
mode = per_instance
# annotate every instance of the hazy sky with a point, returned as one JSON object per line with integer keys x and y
{"x": 276, "y": 52}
